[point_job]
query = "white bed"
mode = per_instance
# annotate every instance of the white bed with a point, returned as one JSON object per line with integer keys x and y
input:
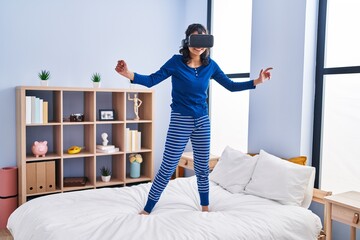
{"x": 112, "y": 213}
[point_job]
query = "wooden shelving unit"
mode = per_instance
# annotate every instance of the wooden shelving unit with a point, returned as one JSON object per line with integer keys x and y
{"x": 61, "y": 134}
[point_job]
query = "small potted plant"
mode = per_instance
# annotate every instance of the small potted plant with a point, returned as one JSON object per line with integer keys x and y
{"x": 135, "y": 161}
{"x": 105, "y": 174}
{"x": 44, "y": 76}
{"x": 96, "y": 78}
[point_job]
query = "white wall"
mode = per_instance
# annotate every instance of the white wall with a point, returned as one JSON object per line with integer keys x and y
{"x": 74, "y": 39}
{"x": 281, "y": 110}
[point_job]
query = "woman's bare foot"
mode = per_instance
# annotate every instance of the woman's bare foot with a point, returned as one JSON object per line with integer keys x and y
{"x": 204, "y": 208}
{"x": 143, "y": 213}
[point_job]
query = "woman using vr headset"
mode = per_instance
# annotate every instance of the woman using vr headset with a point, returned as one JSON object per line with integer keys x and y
{"x": 191, "y": 71}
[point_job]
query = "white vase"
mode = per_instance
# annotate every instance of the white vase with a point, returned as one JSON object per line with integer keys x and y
{"x": 105, "y": 178}
{"x": 44, "y": 82}
{"x": 96, "y": 84}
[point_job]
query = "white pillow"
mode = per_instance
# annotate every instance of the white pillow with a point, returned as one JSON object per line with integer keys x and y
{"x": 309, "y": 190}
{"x": 234, "y": 170}
{"x": 279, "y": 180}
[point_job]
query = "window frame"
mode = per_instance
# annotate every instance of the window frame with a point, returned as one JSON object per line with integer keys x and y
{"x": 321, "y": 71}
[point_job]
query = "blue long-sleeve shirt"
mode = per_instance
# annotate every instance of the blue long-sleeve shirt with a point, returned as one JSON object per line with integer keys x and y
{"x": 190, "y": 85}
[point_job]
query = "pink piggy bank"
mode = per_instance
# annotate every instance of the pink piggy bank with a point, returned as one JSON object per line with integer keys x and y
{"x": 39, "y": 148}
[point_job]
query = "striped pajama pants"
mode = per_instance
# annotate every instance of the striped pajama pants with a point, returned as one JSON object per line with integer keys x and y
{"x": 181, "y": 129}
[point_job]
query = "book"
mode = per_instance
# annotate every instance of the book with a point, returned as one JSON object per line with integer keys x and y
{"x": 33, "y": 109}
{"x": 133, "y": 134}
{"x": 107, "y": 147}
{"x": 138, "y": 141}
{"x": 128, "y": 140}
{"x": 28, "y": 109}
{"x": 111, "y": 150}
{"x": 41, "y": 116}
{"x": 45, "y": 112}
{"x": 37, "y": 110}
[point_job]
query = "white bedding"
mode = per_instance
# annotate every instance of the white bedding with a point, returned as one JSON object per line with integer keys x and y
{"x": 112, "y": 213}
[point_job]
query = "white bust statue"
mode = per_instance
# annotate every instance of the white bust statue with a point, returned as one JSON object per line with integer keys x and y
{"x": 104, "y": 137}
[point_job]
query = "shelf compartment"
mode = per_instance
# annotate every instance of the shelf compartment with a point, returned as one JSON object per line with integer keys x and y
{"x": 42, "y": 177}
{"x": 79, "y": 135}
{"x": 54, "y": 103}
{"x": 79, "y": 102}
{"x": 115, "y": 134}
{"x": 111, "y": 100}
{"x": 146, "y": 168}
{"x": 146, "y": 135}
{"x": 116, "y": 163}
{"x": 79, "y": 167}
{"x": 49, "y": 133}
{"x": 145, "y": 110}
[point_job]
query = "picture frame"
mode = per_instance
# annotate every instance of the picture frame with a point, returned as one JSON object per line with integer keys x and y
{"x": 106, "y": 115}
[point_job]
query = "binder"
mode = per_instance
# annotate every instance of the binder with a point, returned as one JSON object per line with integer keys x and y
{"x": 40, "y": 177}
{"x": 30, "y": 178}
{"x": 50, "y": 176}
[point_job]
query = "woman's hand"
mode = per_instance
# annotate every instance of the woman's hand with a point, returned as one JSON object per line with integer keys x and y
{"x": 123, "y": 70}
{"x": 264, "y": 75}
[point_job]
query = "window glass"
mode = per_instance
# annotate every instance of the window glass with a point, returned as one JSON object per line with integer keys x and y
{"x": 232, "y": 35}
{"x": 342, "y": 35}
{"x": 340, "y": 165}
{"x": 229, "y": 111}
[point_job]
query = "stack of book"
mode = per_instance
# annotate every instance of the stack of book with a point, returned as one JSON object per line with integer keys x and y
{"x": 133, "y": 140}
{"x": 106, "y": 149}
{"x": 36, "y": 110}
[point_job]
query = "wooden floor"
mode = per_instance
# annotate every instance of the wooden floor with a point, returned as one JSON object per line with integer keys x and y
{"x": 5, "y": 234}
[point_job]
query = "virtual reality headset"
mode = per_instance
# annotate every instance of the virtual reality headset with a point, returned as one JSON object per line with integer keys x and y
{"x": 199, "y": 41}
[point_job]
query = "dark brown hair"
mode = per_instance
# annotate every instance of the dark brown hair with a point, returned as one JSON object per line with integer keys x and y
{"x": 200, "y": 29}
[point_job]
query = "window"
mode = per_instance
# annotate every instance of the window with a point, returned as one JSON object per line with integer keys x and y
{"x": 337, "y": 100}
{"x": 229, "y": 111}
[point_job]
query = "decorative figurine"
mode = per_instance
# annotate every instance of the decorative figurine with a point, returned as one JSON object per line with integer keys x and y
{"x": 39, "y": 148}
{"x": 104, "y": 137}
{"x": 137, "y": 104}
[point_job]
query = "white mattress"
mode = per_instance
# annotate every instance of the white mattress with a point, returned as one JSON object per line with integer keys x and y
{"x": 112, "y": 213}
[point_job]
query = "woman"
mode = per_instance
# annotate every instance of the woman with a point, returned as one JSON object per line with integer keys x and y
{"x": 191, "y": 72}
